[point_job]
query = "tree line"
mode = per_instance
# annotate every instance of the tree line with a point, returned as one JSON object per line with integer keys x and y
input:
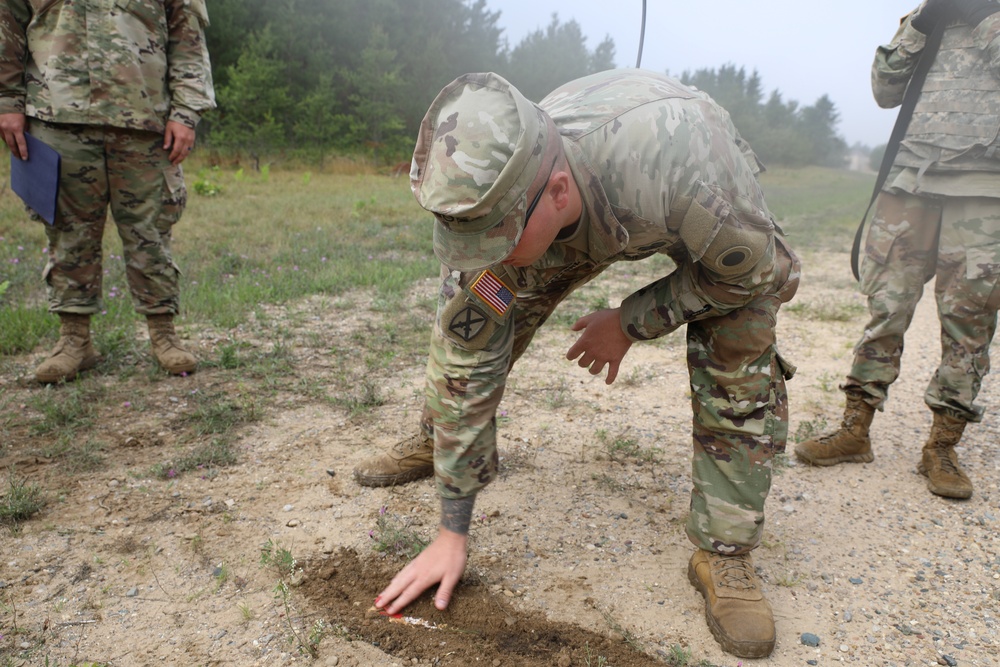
{"x": 355, "y": 77}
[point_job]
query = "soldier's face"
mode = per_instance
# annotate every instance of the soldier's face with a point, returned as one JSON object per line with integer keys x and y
{"x": 540, "y": 230}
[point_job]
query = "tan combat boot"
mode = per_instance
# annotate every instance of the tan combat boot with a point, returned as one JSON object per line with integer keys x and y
{"x": 738, "y": 615}
{"x": 73, "y": 353}
{"x": 849, "y": 444}
{"x": 407, "y": 461}
{"x": 940, "y": 462}
{"x": 167, "y": 347}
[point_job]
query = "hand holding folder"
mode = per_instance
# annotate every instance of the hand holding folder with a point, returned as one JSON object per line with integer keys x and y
{"x": 36, "y": 180}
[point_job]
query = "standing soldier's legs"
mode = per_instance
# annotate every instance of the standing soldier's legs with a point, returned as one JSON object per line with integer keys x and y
{"x": 899, "y": 258}
{"x": 73, "y": 271}
{"x": 900, "y": 254}
{"x": 967, "y": 295}
{"x": 147, "y": 199}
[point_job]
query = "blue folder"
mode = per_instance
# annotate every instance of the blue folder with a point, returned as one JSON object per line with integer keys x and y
{"x": 36, "y": 180}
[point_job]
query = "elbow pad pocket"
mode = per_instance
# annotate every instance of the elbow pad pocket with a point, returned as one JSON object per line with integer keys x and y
{"x": 725, "y": 240}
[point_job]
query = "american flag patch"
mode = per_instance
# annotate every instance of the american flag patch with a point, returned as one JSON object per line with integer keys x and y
{"x": 496, "y": 295}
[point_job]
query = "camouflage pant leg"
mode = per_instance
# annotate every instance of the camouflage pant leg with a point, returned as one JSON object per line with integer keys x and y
{"x": 73, "y": 271}
{"x": 147, "y": 199}
{"x": 130, "y": 171}
{"x": 740, "y": 423}
{"x": 900, "y": 253}
{"x": 968, "y": 296}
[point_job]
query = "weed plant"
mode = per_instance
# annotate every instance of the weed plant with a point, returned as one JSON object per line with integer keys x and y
{"x": 394, "y": 536}
{"x": 278, "y": 558}
{"x": 207, "y": 459}
{"x": 22, "y": 500}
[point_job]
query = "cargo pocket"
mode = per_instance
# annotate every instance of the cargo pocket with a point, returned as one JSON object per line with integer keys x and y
{"x": 174, "y": 198}
{"x": 982, "y": 270}
{"x": 878, "y": 244}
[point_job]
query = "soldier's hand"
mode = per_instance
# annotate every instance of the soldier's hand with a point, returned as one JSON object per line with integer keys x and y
{"x": 12, "y": 129}
{"x": 179, "y": 140}
{"x": 602, "y": 342}
{"x": 930, "y": 14}
{"x": 443, "y": 562}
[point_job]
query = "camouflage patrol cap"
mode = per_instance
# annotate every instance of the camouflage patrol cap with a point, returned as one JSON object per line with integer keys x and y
{"x": 478, "y": 157}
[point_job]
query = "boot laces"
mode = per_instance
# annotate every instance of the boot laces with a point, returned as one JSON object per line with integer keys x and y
{"x": 734, "y": 572}
{"x": 947, "y": 461}
{"x": 409, "y": 446}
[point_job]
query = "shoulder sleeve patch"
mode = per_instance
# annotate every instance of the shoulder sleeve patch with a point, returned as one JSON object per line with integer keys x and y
{"x": 492, "y": 292}
{"x": 473, "y": 314}
{"x": 467, "y": 324}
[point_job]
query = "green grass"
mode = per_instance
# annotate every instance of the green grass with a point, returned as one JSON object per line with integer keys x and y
{"x": 818, "y": 209}
{"x": 270, "y": 239}
{"x": 828, "y": 310}
{"x": 207, "y": 459}
{"x": 21, "y": 501}
{"x": 256, "y": 241}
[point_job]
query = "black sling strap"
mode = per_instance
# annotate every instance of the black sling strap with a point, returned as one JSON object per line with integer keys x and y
{"x": 910, "y": 98}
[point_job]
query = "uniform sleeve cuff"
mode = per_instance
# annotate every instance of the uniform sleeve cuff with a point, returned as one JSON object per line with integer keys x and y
{"x": 184, "y": 117}
{"x": 12, "y": 105}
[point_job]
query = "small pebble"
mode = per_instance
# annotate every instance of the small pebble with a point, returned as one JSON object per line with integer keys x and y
{"x": 809, "y": 639}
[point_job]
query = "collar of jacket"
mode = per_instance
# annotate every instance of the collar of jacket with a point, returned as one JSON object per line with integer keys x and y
{"x": 608, "y": 237}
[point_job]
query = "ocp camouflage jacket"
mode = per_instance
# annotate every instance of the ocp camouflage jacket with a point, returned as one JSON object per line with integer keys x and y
{"x": 122, "y": 63}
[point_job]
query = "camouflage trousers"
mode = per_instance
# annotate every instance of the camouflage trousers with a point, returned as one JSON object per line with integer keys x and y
{"x": 955, "y": 240}
{"x": 129, "y": 171}
{"x": 739, "y": 402}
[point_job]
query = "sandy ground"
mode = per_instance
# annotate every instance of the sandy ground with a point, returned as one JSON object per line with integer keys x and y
{"x": 578, "y": 552}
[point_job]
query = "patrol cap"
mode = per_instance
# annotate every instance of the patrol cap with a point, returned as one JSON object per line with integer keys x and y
{"x": 478, "y": 157}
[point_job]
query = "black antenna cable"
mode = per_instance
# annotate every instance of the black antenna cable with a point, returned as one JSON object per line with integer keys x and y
{"x": 642, "y": 35}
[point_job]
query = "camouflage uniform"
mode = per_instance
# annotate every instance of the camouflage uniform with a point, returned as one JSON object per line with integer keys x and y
{"x": 98, "y": 80}
{"x": 937, "y": 216}
{"x": 661, "y": 169}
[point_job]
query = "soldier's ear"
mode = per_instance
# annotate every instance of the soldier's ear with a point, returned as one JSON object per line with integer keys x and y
{"x": 559, "y": 188}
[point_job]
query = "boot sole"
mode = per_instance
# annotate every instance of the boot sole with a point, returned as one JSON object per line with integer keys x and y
{"x": 944, "y": 491}
{"x": 86, "y": 365}
{"x": 411, "y": 475}
{"x": 737, "y": 648}
{"x": 834, "y": 460}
